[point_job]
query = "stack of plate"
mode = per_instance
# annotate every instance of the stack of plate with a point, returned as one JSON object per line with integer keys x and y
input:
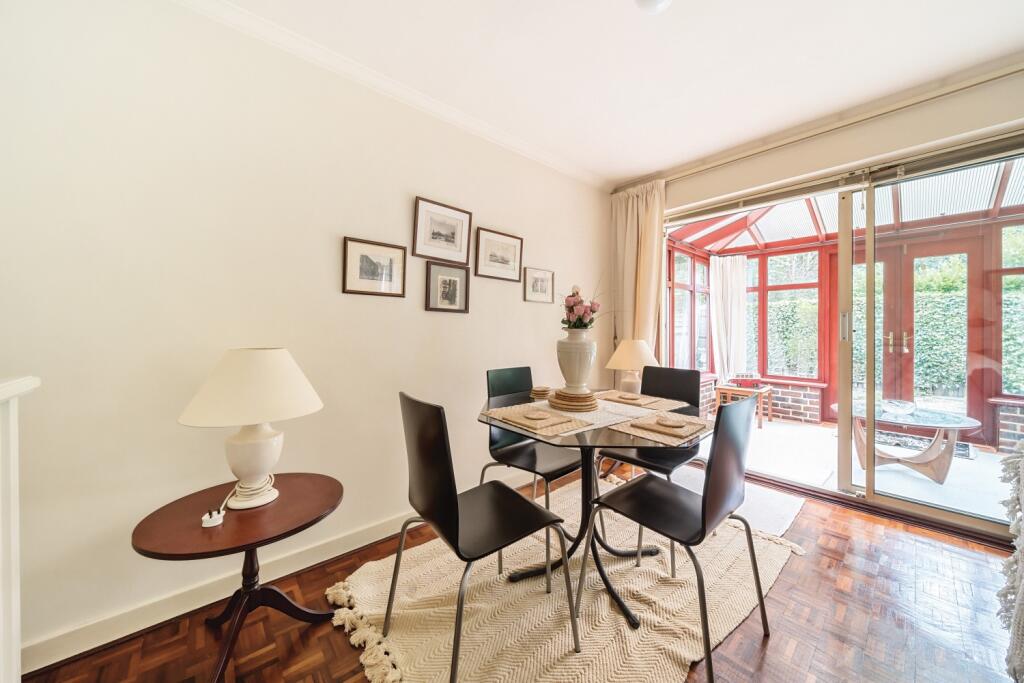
{"x": 574, "y": 403}
{"x": 540, "y": 393}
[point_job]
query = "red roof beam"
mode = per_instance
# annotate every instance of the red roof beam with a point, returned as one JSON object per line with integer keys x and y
{"x": 683, "y": 233}
{"x": 999, "y": 191}
{"x": 812, "y": 208}
{"x": 730, "y": 229}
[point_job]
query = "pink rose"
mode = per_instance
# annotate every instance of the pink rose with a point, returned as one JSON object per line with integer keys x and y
{"x": 572, "y": 316}
{"x": 578, "y": 310}
{"x": 587, "y": 317}
{"x": 570, "y": 300}
{"x": 595, "y": 306}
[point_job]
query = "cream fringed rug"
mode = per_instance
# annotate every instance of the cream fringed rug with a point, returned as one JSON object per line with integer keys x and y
{"x": 517, "y": 632}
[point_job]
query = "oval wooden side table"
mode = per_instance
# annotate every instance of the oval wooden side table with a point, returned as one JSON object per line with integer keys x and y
{"x": 175, "y": 532}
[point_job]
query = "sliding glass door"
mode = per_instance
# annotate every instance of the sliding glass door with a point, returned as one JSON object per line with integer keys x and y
{"x": 931, "y": 309}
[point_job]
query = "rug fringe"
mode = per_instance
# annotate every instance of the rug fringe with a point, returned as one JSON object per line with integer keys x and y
{"x": 378, "y": 662}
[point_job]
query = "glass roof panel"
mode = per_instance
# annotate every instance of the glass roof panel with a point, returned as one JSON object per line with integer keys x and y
{"x": 1015, "y": 190}
{"x": 828, "y": 207}
{"x": 742, "y": 240}
{"x": 786, "y": 221}
{"x": 947, "y": 194}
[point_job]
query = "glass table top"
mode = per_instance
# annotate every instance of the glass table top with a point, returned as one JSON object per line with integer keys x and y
{"x": 907, "y": 414}
{"x": 601, "y": 437}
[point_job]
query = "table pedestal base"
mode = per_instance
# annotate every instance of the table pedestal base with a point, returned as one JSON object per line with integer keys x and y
{"x": 250, "y": 597}
{"x": 589, "y": 491}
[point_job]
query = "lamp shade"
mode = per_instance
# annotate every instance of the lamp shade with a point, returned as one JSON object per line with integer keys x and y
{"x": 249, "y": 387}
{"x": 632, "y": 354}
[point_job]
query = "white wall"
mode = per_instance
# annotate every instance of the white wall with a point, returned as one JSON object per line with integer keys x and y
{"x": 172, "y": 188}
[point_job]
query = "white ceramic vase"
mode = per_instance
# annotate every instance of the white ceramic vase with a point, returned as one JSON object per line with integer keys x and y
{"x": 576, "y": 355}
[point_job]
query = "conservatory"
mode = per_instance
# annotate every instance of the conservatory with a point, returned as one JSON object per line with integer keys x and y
{"x": 947, "y": 311}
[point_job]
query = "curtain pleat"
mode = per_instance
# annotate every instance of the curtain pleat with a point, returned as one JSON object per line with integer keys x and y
{"x": 639, "y": 262}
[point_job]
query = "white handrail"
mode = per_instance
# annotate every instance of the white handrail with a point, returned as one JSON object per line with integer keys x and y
{"x": 10, "y": 584}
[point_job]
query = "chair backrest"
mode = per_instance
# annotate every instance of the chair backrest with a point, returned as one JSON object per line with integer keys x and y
{"x": 724, "y": 485}
{"x": 432, "y": 491}
{"x": 680, "y": 385}
{"x": 501, "y": 382}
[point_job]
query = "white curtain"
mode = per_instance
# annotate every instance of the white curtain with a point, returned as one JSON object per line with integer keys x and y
{"x": 638, "y": 217}
{"x": 728, "y": 291}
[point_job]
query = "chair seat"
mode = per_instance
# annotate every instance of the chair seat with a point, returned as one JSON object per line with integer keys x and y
{"x": 492, "y": 516}
{"x": 666, "y": 508}
{"x": 660, "y": 460}
{"x": 544, "y": 460}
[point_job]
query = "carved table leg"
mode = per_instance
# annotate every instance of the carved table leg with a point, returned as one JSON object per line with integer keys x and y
{"x": 249, "y": 597}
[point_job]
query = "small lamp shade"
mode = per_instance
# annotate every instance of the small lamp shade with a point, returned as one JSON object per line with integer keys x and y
{"x": 632, "y": 354}
{"x": 250, "y": 387}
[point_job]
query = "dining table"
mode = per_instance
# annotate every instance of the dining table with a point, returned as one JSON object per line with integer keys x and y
{"x": 588, "y": 440}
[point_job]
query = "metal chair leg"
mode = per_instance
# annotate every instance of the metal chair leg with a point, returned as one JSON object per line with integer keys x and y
{"x": 398, "y": 563}
{"x": 672, "y": 555}
{"x": 487, "y": 467}
{"x": 639, "y": 544}
{"x": 547, "y": 540}
{"x": 499, "y": 563}
{"x": 587, "y": 541}
{"x": 757, "y": 576}
{"x": 463, "y": 585}
{"x": 534, "y": 486}
{"x": 568, "y": 588}
{"x": 703, "y": 614}
{"x": 600, "y": 514}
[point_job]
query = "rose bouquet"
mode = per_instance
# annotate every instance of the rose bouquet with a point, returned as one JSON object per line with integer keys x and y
{"x": 579, "y": 315}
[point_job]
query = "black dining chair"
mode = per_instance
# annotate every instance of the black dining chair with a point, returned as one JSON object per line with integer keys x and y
{"x": 475, "y": 523}
{"x": 512, "y": 449}
{"x": 687, "y": 517}
{"x": 676, "y": 384}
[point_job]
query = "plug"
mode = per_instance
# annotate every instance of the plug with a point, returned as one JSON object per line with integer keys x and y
{"x": 213, "y": 518}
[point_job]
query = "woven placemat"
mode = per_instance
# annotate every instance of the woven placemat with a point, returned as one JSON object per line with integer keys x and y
{"x": 655, "y": 432}
{"x": 649, "y": 402}
{"x": 513, "y": 415}
{"x": 616, "y": 396}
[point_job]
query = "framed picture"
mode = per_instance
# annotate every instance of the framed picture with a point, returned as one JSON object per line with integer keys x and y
{"x": 498, "y": 255}
{"x": 447, "y": 288}
{"x": 441, "y": 232}
{"x": 372, "y": 268}
{"x": 538, "y": 285}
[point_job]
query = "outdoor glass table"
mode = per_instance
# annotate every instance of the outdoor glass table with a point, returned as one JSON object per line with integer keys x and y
{"x": 935, "y": 459}
{"x": 588, "y": 442}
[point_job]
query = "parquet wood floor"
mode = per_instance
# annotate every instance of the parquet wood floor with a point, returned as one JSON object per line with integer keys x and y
{"x": 872, "y": 600}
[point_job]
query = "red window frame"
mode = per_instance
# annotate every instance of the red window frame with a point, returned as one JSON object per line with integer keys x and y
{"x": 693, "y": 288}
{"x": 762, "y": 290}
{"x": 999, "y": 273}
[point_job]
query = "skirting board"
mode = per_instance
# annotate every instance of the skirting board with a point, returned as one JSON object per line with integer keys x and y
{"x": 65, "y": 644}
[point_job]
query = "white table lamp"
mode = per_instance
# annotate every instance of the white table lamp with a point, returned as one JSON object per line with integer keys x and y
{"x": 631, "y": 356}
{"x": 250, "y": 388}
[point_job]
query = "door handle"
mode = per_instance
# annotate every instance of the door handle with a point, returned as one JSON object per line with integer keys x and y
{"x": 890, "y": 341}
{"x": 906, "y": 349}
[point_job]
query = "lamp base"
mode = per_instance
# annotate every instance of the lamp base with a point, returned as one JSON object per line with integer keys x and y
{"x": 241, "y": 499}
{"x": 252, "y": 453}
{"x": 630, "y": 382}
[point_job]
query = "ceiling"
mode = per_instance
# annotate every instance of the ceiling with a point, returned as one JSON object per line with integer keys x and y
{"x": 606, "y": 92}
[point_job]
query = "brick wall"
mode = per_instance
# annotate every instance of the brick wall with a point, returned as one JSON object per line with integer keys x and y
{"x": 1011, "y": 426}
{"x": 707, "y": 395}
{"x": 793, "y": 402}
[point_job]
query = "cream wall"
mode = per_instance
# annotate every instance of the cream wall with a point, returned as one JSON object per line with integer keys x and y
{"x": 171, "y": 188}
